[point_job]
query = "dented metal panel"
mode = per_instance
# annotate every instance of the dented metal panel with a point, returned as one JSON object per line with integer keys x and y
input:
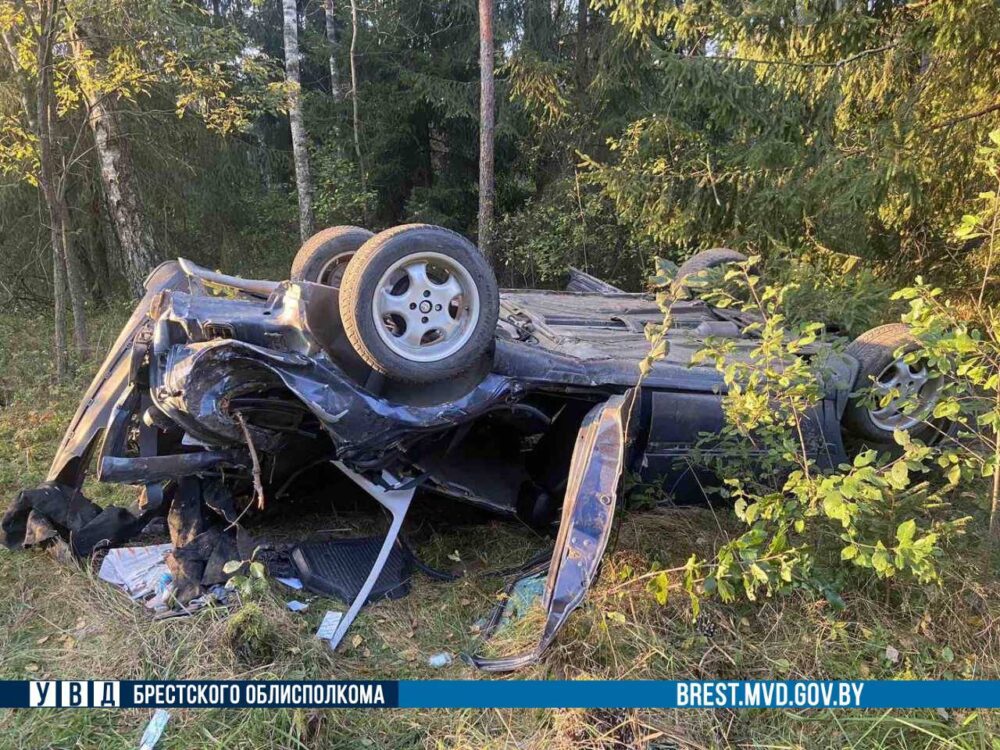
{"x": 595, "y": 480}
{"x": 110, "y": 382}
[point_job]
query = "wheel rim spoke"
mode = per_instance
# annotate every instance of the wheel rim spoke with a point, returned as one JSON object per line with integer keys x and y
{"x": 446, "y": 324}
{"x": 448, "y": 291}
{"x": 414, "y": 334}
{"x": 393, "y": 303}
{"x": 419, "y": 282}
{"x": 425, "y": 307}
{"x": 913, "y": 394}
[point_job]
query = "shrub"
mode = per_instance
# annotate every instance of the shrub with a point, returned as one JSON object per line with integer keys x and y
{"x": 569, "y": 226}
{"x": 886, "y": 512}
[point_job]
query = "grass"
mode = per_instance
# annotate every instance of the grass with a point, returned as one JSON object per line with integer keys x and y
{"x": 65, "y": 623}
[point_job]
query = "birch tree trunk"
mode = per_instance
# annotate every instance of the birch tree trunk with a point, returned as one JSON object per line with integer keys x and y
{"x": 486, "y": 129}
{"x": 118, "y": 176}
{"x": 300, "y": 149}
{"x": 331, "y": 40}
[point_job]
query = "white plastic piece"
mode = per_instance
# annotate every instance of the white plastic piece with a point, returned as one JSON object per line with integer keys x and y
{"x": 137, "y": 570}
{"x": 442, "y": 659}
{"x": 397, "y": 502}
{"x": 154, "y": 729}
{"x": 329, "y": 625}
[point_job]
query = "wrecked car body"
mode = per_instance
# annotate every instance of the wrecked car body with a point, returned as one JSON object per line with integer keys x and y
{"x": 221, "y": 391}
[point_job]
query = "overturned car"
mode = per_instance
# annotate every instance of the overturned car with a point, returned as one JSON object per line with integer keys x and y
{"x": 395, "y": 358}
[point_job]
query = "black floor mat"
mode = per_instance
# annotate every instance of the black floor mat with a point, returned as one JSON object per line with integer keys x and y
{"x": 339, "y": 568}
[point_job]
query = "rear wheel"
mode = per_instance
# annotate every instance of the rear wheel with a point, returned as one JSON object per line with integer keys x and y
{"x": 419, "y": 303}
{"x": 714, "y": 258}
{"x": 916, "y": 390}
{"x": 323, "y": 258}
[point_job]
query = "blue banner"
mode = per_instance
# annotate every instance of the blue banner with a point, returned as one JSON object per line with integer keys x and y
{"x": 734, "y": 694}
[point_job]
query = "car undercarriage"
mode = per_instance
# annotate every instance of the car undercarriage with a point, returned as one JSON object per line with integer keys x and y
{"x": 221, "y": 392}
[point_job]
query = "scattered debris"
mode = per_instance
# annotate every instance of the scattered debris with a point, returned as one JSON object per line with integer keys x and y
{"x": 292, "y": 583}
{"x": 524, "y": 595}
{"x": 140, "y": 571}
{"x": 216, "y": 596}
{"x": 296, "y": 606}
{"x": 442, "y": 659}
{"x": 154, "y": 729}
{"x": 143, "y": 573}
{"x": 892, "y": 654}
{"x": 328, "y": 628}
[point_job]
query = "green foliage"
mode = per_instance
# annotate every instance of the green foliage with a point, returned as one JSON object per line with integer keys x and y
{"x": 252, "y": 637}
{"x": 569, "y": 226}
{"x": 813, "y": 132}
{"x": 961, "y": 348}
{"x": 848, "y": 126}
{"x": 340, "y": 197}
{"x": 539, "y": 86}
{"x": 841, "y": 290}
{"x": 886, "y": 513}
{"x": 249, "y": 578}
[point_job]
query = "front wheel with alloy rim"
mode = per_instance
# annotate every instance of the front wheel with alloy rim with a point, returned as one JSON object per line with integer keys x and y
{"x": 419, "y": 303}
{"x": 905, "y": 393}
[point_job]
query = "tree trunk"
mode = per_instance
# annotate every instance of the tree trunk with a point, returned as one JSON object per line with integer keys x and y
{"x": 300, "y": 149}
{"x": 47, "y": 178}
{"x": 56, "y": 235}
{"x": 74, "y": 274}
{"x": 118, "y": 176}
{"x": 59, "y": 313}
{"x": 354, "y": 92}
{"x": 486, "y": 129}
{"x": 331, "y": 39}
{"x": 582, "y": 10}
{"x": 39, "y": 112}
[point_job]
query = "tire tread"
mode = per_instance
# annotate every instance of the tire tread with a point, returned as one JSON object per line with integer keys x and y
{"x": 316, "y": 244}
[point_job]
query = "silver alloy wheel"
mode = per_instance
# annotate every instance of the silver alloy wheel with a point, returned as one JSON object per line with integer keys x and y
{"x": 332, "y": 272}
{"x": 426, "y": 306}
{"x": 912, "y": 385}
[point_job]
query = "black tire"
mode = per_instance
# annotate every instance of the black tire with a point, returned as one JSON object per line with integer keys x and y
{"x": 875, "y": 350}
{"x": 717, "y": 256}
{"x": 313, "y": 260}
{"x": 366, "y": 269}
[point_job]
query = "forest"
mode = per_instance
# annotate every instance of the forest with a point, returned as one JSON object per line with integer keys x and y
{"x": 623, "y": 130}
{"x": 849, "y": 148}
